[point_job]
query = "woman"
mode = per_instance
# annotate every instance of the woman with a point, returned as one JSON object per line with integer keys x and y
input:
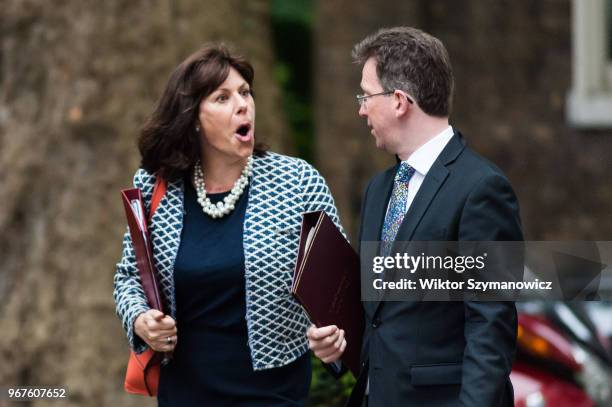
{"x": 224, "y": 238}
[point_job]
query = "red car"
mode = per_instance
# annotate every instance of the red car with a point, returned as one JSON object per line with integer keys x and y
{"x": 561, "y": 361}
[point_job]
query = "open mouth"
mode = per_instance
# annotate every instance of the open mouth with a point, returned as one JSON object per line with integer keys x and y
{"x": 243, "y": 133}
{"x": 244, "y": 129}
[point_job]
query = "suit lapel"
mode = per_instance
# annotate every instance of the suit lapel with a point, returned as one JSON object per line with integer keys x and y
{"x": 379, "y": 198}
{"x": 374, "y": 215}
{"x": 431, "y": 184}
{"x": 434, "y": 179}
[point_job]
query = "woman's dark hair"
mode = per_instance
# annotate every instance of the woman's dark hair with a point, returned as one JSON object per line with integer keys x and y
{"x": 169, "y": 143}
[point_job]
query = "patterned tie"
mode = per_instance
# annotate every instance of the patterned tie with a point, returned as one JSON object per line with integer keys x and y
{"x": 397, "y": 206}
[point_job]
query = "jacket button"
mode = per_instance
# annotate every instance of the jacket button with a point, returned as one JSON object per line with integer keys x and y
{"x": 376, "y": 323}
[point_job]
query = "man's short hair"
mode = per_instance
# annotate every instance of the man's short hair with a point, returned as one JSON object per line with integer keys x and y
{"x": 413, "y": 61}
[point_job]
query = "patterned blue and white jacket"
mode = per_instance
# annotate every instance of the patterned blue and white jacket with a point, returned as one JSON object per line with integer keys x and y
{"x": 281, "y": 189}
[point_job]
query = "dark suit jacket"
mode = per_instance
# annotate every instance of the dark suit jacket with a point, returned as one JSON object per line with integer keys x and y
{"x": 442, "y": 353}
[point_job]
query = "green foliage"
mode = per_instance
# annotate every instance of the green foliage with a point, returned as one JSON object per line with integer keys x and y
{"x": 301, "y": 11}
{"x": 327, "y": 391}
{"x": 292, "y": 34}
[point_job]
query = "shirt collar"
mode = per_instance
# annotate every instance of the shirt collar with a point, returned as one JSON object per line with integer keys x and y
{"x": 424, "y": 157}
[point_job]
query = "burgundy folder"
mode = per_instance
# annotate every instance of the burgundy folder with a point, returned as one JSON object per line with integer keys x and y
{"x": 326, "y": 282}
{"x": 143, "y": 370}
{"x": 137, "y": 223}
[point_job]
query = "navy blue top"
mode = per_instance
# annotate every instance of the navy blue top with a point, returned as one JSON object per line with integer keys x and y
{"x": 212, "y": 363}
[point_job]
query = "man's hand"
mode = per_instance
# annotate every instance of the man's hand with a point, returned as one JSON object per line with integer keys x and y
{"x": 157, "y": 330}
{"x": 327, "y": 342}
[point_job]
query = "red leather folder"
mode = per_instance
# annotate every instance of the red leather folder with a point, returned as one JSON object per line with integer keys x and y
{"x": 326, "y": 282}
{"x": 137, "y": 223}
{"x": 143, "y": 371}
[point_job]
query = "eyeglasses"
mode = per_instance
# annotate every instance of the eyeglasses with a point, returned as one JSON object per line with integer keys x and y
{"x": 361, "y": 99}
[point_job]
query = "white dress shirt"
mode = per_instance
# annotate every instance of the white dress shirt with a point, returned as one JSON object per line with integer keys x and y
{"x": 422, "y": 160}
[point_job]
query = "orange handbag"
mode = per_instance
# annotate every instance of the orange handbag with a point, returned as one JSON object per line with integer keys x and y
{"x": 142, "y": 375}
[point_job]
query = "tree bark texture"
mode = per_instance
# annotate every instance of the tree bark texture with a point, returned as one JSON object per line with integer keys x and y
{"x": 78, "y": 79}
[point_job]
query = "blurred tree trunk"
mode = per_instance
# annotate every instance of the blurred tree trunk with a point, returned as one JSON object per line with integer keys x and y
{"x": 347, "y": 154}
{"x": 78, "y": 79}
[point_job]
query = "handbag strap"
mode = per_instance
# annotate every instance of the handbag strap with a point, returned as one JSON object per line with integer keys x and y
{"x": 159, "y": 190}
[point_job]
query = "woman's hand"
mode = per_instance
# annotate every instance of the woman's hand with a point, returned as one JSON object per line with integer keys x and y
{"x": 327, "y": 342}
{"x": 157, "y": 330}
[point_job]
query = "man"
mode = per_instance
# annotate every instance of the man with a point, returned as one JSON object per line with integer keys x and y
{"x": 427, "y": 353}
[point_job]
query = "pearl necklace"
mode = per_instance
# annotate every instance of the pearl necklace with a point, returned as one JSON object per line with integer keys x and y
{"x": 224, "y": 207}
